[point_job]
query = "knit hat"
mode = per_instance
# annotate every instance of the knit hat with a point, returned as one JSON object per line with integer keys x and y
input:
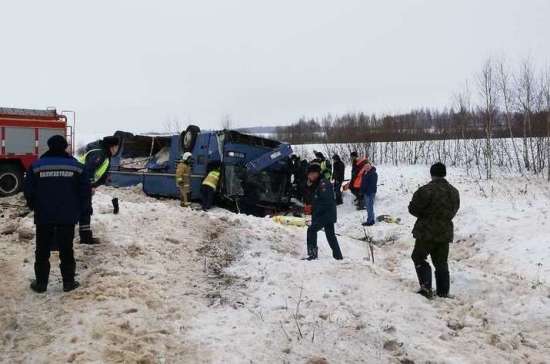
{"x": 438, "y": 170}
{"x": 319, "y": 155}
{"x": 353, "y": 155}
{"x": 110, "y": 141}
{"x": 57, "y": 143}
{"x": 314, "y": 167}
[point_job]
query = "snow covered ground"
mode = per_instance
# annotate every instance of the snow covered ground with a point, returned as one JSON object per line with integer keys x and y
{"x": 173, "y": 285}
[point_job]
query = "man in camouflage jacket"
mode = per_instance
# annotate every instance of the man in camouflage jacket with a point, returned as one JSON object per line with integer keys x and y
{"x": 435, "y": 205}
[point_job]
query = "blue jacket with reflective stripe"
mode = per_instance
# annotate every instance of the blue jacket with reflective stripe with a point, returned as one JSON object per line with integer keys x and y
{"x": 57, "y": 189}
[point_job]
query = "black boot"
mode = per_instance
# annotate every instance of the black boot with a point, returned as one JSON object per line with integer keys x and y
{"x": 312, "y": 254}
{"x": 428, "y": 293}
{"x": 115, "y": 205}
{"x": 86, "y": 237}
{"x": 424, "y": 274}
{"x": 442, "y": 282}
{"x": 39, "y": 287}
{"x": 69, "y": 286}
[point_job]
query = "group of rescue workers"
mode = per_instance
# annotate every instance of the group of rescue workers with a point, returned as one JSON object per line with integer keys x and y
{"x": 59, "y": 189}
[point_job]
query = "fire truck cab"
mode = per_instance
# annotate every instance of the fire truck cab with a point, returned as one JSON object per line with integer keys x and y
{"x": 23, "y": 138}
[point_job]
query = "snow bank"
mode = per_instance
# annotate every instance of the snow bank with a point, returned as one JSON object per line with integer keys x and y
{"x": 170, "y": 284}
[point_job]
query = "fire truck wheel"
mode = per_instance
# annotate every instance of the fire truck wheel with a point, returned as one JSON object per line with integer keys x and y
{"x": 11, "y": 179}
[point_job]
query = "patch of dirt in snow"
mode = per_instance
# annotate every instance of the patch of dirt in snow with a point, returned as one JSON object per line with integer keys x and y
{"x": 174, "y": 285}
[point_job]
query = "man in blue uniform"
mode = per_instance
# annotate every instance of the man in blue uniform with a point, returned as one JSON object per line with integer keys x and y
{"x": 96, "y": 161}
{"x": 324, "y": 213}
{"x": 58, "y": 191}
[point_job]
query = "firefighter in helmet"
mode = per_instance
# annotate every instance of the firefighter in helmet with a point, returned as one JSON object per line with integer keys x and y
{"x": 183, "y": 178}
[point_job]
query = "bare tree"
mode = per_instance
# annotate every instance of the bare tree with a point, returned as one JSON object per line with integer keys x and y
{"x": 226, "y": 122}
{"x": 507, "y": 97}
{"x": 173, "y": 126}
{"x": 488, "y": 92}
{"x": 526, "y": 101}
{"x": 545, "y": 87}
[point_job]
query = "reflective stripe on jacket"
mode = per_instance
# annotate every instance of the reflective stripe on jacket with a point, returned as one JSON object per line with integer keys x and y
{"x": 99, "y": 170}
{"x": 212, "y": 179}
{"x": 326, "y": 170}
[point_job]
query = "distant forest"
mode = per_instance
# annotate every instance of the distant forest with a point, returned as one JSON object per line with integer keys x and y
{"x": 500, "y": 104}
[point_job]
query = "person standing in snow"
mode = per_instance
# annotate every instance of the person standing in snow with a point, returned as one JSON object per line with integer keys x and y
{"x": 338, "y": 172}
{"x": 323, "y": 213}
{"x": 326, "y": 168}
{"x": 183, "y": 178}
{"x": 368, "y": 191}
{"x": 96, "y": 161}
{"x": 354, "y": 169}
{"x": 58, "y": 190}
{"x": 209, "y": 187}
{"x": 434, "y": 205}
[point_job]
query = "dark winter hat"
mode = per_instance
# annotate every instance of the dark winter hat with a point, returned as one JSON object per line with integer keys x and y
{"x": 314, "y": 167}
{"x": 57, "y": 143}
{"x": 353, "y": 154}
{"x": 319, "y": 155}
{"x": 335, "y": 157}
{"x": 110, "y": 141}
{"x": 438, "y": 170}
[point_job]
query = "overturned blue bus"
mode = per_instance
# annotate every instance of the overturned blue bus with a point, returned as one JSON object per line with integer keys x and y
{"x": 255, "y": 176}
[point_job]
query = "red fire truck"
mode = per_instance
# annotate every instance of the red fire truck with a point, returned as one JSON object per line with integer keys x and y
{"x": 23, "y": 138}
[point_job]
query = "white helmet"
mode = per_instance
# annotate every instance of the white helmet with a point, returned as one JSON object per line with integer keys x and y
{"x": 186, "y": 156}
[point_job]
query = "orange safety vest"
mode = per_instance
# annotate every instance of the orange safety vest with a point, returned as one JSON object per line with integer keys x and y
{"x": 359, "y": 178}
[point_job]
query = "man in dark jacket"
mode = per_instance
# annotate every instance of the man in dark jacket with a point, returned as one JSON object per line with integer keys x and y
{"x": 58, "y": 191}
{"x": 338, "y": 171}
{"x": 435, "y": 205}
{"x": 368, "y": 191}
{"x": 97, "y": 161}
{"x": 323, "y": 214}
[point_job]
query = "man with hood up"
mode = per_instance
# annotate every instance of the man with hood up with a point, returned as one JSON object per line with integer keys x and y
{"x": 58, "y": 190}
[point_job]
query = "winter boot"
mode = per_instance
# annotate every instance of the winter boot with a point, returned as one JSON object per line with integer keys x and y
{"x": 424, "y": 273}
{"x": 115, "y": 206}
{"x": 38, "y": 287}
{"x": 442, "y": 283}
{"x": 86, "y": 237}
{"x": 69, "y": 286}
{"x": 428, "y": 293}
{"x": 312, "y": 254}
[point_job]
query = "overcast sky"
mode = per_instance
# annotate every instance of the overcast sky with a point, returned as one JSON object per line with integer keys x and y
{"x": 133, "y": 65}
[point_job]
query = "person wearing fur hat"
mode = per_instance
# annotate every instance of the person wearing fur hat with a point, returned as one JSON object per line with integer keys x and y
{"x": 58, "y": 190}
{"x": 434, "y": 205}
{"x": 183, "y": 178}
{"x": 323, "y": 213}
{"x": 96, "y": 161}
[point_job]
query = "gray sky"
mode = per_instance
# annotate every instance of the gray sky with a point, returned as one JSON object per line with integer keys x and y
{"x": 133, "y": 65}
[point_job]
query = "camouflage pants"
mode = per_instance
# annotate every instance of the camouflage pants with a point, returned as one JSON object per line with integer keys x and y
{"x": 439, "y": 253}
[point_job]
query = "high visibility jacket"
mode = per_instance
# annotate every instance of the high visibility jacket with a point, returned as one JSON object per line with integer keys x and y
{"x": 326, "y": 170}
{"x": 183, "y": 174}
{"x": 212, "y": 179}
{"x": 96, "y": 163}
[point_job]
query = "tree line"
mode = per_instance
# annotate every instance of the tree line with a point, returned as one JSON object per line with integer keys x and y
{"x": 498, "y": 103}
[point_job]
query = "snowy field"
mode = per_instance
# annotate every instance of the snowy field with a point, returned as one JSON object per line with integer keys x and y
{"x": 172, "y": 285}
